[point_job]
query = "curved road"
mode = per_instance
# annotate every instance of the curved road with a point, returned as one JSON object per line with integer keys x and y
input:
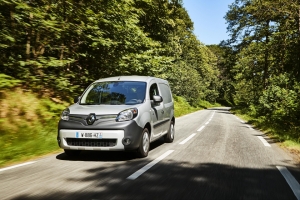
{"x": 215, "y": 155}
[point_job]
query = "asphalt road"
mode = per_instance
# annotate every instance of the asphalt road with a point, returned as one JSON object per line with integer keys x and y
{"x": 214, "y": 155}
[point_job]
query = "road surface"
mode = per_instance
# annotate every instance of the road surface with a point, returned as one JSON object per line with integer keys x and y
{"x": 215, "y": 155}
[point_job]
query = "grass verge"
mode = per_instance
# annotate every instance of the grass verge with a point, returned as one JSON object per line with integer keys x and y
{"x": 182, "y": 107}
{"x": 28, "y": 126}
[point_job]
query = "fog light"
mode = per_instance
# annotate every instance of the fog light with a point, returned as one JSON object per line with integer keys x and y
{"x": 126, "y": 141}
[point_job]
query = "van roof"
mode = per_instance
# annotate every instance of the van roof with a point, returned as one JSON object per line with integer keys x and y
{"x": 132, "y": 78}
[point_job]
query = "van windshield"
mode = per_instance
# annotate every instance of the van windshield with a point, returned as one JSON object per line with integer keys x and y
{"x": 114, "y": 93}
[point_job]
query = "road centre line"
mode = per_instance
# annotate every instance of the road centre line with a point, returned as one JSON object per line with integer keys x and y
{"x": 294, "y": 185}
{"x": 148, "y": 166}
{"x": 264, "y": 141}
{"x": 200, "y": 129}
{"x": 209, "y": 119}
{"x": 15, "y": 166}
{"x": 188, "y": 138}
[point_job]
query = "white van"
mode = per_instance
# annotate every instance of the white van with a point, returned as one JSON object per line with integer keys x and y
{"x": 122, "y": 113}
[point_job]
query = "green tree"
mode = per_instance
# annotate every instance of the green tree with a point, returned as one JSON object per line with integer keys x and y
{"x": 265, "y": 36}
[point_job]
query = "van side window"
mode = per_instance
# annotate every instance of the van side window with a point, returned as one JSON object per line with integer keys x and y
{"x": 153, "y": 90}
{"x": 166, "y": 92}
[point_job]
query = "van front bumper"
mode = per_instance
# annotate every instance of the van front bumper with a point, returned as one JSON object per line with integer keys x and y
{"x": 108, "y": 136}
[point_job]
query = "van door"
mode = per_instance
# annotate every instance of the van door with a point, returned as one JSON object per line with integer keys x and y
{"x": 157, "y": 112}
{"x": 168, "y": 106}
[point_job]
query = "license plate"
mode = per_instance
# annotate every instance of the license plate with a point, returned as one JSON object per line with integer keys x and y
{"x": 89, "y": 135}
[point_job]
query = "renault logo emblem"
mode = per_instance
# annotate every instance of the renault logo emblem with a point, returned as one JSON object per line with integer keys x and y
{"x": 91, "y": 119}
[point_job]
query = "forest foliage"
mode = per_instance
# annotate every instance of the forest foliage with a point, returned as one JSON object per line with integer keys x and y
{"x": 264, "y": 52}
{"x": 58, "y": 47}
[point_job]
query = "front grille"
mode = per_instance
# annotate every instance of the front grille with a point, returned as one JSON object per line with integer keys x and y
{"x": 91, "y": 142}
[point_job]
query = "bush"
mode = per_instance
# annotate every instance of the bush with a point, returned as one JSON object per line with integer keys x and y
{"x": 8, "y": 81}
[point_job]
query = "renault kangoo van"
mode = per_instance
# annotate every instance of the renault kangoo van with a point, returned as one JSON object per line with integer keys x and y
{"x": 124, "y": 113}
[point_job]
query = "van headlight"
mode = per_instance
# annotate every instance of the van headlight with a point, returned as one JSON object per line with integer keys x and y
{"x": 65, "y": 114}
{"x": 126, "y": 115}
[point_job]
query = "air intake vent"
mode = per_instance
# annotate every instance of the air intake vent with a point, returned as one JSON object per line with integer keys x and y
{"x": 91, "y": 142}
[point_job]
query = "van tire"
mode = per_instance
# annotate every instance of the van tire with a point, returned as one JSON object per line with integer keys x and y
{"x": 144, "y": 147}
{"x": 169, "y": 137}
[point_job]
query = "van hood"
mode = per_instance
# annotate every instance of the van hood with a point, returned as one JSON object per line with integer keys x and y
{"x": 77, "y": 109}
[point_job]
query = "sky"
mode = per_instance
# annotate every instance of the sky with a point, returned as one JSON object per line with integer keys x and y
{"x": 208, "y": 16}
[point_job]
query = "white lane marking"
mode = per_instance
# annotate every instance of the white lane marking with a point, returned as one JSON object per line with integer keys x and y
{"x": 250, "y": 127}
{"x": 209, "y": 119}
{"x": 149, "y": 165}
{"x": 264, "y": 141}
{"x": 239, "y": 119}
{"x": 244, "y": 123}
{"x": 290, "y": 180}
{"x": 200, "y": 129}
{"x": 15, "y": 166}
{"x": 188, "y": 138}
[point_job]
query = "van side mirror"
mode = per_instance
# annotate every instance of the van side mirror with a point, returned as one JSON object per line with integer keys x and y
{"x": 76, "y": 99}
{"x": 157, "y": 99}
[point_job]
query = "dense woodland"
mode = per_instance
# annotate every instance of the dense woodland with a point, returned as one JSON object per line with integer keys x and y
{"x": 262, "y": 61}
{"x": 61, "y": 46}
{"x": 58, "y": 47}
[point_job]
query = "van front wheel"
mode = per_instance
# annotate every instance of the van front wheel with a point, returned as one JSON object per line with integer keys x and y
{"x": 144, "y": 147}
{"x": 169, "y": 137}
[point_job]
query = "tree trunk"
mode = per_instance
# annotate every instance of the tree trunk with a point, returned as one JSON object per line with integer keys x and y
{"x": 266, "y": 67}
{"x": 28, "y": 44}
{"x": 298, "y": 39}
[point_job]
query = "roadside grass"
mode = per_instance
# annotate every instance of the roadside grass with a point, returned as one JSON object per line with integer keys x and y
{"x": 28, "y": 124}
{"x": 285, "y": 137}
{"x": 182, "y": 107}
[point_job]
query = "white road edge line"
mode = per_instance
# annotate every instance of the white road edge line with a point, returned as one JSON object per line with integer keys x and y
{"x": 15, "y": 166}
{"x": 294, "y": 185}
{"x": 149, "y": 165}
{"x": 249, "y": 127}
{"x": 264, "y": 141}
{"x": 200, "y": 129}
{"x": 188, "y": 138}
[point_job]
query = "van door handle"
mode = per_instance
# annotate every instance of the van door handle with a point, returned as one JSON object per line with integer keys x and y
{"x": 162, "y": 112}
